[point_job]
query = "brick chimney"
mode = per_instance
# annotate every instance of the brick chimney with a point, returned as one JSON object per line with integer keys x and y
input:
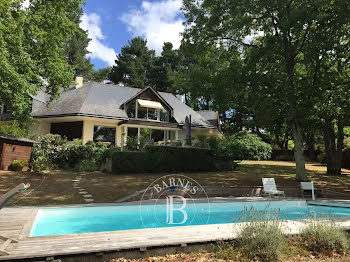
{"x": 79, "y": 80}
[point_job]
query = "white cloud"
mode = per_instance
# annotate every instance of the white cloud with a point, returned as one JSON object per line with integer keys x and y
{"x": 158, "y": 22}
{"x": 92, "y": 23}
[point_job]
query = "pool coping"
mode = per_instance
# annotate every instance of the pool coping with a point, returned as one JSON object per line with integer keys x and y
{"x": 140, "y": 238}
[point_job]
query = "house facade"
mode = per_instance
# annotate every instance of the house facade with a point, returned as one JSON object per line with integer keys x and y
{"x": 109, "y": 113}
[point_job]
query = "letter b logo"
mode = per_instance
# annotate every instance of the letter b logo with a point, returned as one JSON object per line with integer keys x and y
{"x": 170, "y": 210}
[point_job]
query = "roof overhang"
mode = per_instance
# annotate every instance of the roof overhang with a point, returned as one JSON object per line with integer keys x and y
{"x": 149, "y": 123}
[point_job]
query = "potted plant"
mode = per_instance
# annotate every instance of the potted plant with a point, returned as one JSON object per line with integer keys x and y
{"x": 17, "y": 165}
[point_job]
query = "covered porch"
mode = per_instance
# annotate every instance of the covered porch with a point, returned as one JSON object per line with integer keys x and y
{"x": 158, "y": 133}
{"x": 107, "y": 131}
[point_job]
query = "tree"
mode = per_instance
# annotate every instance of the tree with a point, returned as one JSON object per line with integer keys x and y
{"x": 162, "y": 67}
{"x": 210, "y": 77}
{"x": 286, "y": 29}
{"x": 331, "y": 70}
{"x": 76, "y": 50}
{"x": 133, "y": 64}
{"x": 99, "y": 75}
{"x": 31, "y": 44}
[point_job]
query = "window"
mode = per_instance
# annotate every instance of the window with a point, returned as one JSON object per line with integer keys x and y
{"x": 133, "y": 131}
{"x": 164, "y": 115}
{"x": 131, "y": 109}
{"x": 157, "y": 135}
{"x": 148, "y": 110}
{"x": 71, "y": 130}
{"x": 142, "y": 112}
{"x": 104, "y": 134}
{"x": 152, "y": 114}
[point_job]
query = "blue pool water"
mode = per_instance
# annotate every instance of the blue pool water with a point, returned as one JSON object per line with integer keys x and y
{"x": 60, "y": 221}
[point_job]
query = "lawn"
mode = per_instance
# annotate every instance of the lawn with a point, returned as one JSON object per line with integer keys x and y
{"x": 55, "y": 187}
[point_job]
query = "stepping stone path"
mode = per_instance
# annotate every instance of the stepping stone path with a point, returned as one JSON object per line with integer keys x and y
{"x": 76, "y": 185}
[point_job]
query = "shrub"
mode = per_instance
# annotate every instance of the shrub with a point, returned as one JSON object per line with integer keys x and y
{"x": 145, "y": 137}
{"x": 18, "y": 163}
{"x": 322, "y": 158}
{"x": 265, "y": 241}
{"x": 86, "y": 166}
{"x": 226, "y": 251}
{"x": 131, "y": 143}
{"x": 164, "y": 159}
{"x": 75, "y": 154}
{"x": 323, "y": 237}
{"x": 46, "y": 154}
{"x": 202, "y": 141}
{"x": 262, "y": 237}
{"x": 55, "y": 152}
{"x": 213, "y": 143}
{"x": 77, "y": 141}
{"x": 244, "y": 145}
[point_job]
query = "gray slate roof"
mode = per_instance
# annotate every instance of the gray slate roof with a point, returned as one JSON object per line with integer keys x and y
{"x": 20, "y": 139}
{"x": 210, "y": 116}
{"x": 105, "y": 100}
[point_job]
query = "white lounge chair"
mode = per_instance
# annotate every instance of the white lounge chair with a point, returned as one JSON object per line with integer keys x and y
{"x": 307, "y": 186}
{"x": 270, "y": 188}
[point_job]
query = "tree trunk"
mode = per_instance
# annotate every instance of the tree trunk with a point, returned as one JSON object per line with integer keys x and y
{"x": 340, "y": 145}
{"x": 310, "y": 142}
{"x": 299, "y": 152}
{"x": 334, "y": 146}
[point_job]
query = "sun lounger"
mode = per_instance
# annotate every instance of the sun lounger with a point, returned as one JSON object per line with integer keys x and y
{"x": 270, "y": 189}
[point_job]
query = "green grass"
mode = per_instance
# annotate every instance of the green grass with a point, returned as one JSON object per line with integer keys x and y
{"x": 55, "y": 187}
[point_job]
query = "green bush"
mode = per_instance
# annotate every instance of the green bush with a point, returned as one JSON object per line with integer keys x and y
{"x": 213, "y": 143}
{"x": 19, "y": 163}
{"x": 262, "y": 237}
{"x": 202, "y": 141}
{"x": 86, "y": 166}
{"x": 131, "y": 143}
{"x": 262, "y": 240}
{"x": 46, "y": 154}
{"x": 322, "y": 236}
{"x": 226, "y": 251}
{"x": 74, "y": 154}
{"x": 244, "y": 145}
{"x": 322, "y": 158}
{"x": 164, "y": 159}
{"x": 54, "y": 152}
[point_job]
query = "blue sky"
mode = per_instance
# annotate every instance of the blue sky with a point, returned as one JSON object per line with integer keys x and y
{"x": 111, "y": 23}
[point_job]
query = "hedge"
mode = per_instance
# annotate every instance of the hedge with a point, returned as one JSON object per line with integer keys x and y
{"x": 168, "y": 159}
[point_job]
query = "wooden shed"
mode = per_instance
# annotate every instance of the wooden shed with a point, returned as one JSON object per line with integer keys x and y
{"x": 14, "y": 148}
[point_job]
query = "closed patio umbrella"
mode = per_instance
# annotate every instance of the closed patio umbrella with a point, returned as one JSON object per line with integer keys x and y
{"x": 188, "y": 130}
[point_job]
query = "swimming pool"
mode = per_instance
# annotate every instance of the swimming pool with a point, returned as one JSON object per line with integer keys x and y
{"x": 72, "y": 220}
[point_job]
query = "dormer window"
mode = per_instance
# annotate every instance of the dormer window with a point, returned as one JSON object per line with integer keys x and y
{"x": 147, "y": 110}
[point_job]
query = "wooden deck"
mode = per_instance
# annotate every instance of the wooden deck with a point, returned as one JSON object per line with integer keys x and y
{"x": 16, "y": 223}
